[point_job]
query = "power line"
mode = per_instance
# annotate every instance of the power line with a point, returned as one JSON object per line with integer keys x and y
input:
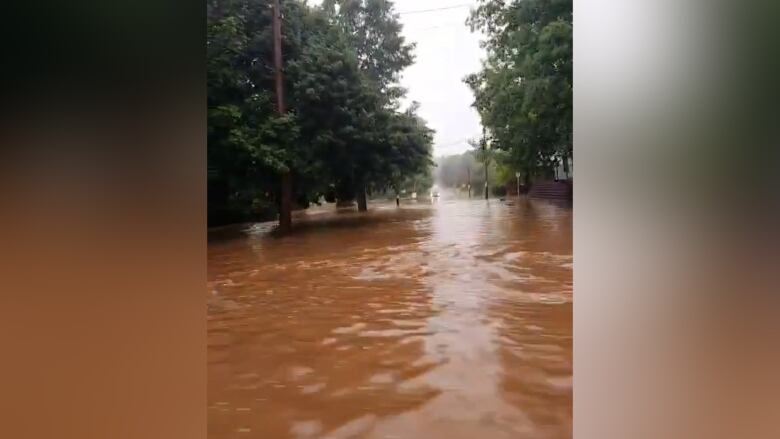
{"x": 421, "y": 11}
{"x": 416, "y": 29}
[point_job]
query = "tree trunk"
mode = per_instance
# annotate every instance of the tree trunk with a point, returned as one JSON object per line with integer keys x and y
{"x": 468, "y": 173}
{"x": 285, "y": 206}
{"x": 486, "y": 180}
{"x": 361, "y": 198}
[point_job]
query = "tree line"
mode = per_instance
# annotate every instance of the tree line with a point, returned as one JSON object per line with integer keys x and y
{"x": 457, "y": 171}
{"x": 343, "y": 134}
{"x": 523, "y": 92}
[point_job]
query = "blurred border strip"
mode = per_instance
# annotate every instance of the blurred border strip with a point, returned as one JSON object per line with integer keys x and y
{"x": 102, "y": 206}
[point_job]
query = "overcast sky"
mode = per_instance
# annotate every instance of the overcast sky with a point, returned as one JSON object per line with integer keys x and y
{"x": 446, "y": 52}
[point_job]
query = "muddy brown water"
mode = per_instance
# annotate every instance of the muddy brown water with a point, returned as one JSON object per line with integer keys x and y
{"x": 450, "y": 319}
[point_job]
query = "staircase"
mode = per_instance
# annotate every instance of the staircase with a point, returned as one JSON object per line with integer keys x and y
{"x": 555, "y": 190}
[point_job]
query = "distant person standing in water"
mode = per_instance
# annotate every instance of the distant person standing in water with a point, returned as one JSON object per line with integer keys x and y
{"x": 397, "y": 200}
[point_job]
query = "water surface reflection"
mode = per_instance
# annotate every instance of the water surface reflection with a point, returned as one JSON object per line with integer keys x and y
{"x": 450, "y": 320}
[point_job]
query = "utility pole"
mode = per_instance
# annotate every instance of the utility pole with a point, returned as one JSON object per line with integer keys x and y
{"x": 485, "y": 153}
{"x": 486, "y": 175}
{"x": 468, "y": 173}
{"x": 285, "y": 205}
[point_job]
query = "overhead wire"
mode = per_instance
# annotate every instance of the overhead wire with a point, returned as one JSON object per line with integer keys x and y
{"x": 422, "y": 11}
{"x": 440, "y": 26}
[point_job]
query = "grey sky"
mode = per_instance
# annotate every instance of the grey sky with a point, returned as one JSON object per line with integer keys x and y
{"x": 446, "y": 52}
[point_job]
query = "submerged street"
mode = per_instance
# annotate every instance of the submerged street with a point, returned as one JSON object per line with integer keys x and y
{"x": 447, "y": 319}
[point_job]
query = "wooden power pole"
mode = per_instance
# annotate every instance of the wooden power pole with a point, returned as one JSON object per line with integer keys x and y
{"x": 468, "y": 176}
{"x": 485, "y": 152}
{"x": 486, "y": 175}
{"x": 285, "y": 205}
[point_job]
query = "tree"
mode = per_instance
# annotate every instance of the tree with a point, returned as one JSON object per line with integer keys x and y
{"x": 373, "y": 32}
{"x": 341, "y": 130}
{"x": 247, "y": 141}
{"x": 459, "y": 170}
{"x": 410, "y": 146}
{"x": 250, "y": 145}
{"x": 524, "y": 90}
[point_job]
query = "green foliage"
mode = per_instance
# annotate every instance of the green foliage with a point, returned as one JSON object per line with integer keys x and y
{"x": 374, "y": 32}
{"x": 421, "y": 182}
{"x": 408, "y": 150}
{"x": 388, "y": 146}
{"x": 341, "y": 129}
{"x": 246, "y": 139}
{"x": 455, "y": 171}
{"x": 524, "y": 90}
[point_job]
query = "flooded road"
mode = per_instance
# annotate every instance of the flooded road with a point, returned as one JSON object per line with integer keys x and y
{"x": 446, "y": 320}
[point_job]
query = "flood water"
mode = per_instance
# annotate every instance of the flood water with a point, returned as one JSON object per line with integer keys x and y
{"x": 450, "y": 320}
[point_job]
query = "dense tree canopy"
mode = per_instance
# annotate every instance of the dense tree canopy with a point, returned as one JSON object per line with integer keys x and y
{"x": 342, "y": 132}
{"x": 374, "y": 33}
{"x": 524, "y": 91}
{"x": 386, "y": 152}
